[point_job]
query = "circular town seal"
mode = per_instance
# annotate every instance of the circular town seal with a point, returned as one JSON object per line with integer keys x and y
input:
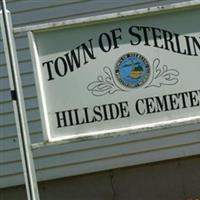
{"x": 132, "y": 70}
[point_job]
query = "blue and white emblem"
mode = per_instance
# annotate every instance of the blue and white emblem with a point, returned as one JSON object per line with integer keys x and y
{"x": 132, "y": 70}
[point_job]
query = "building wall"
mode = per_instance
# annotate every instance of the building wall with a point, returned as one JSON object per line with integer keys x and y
{"x": 67, "y": 159}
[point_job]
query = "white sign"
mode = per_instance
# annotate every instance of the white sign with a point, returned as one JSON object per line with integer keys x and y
{"x": 117, "y": 75}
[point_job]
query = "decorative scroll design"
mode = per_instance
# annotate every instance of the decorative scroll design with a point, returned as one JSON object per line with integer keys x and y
{"x": 104, "y": 84}
{"x": 162, "y": 75}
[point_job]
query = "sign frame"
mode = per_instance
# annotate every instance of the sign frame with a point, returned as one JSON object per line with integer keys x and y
{"x": 96, "y": 20}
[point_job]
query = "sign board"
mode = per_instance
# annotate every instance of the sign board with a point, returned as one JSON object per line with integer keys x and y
{"x": 118, "y": 73}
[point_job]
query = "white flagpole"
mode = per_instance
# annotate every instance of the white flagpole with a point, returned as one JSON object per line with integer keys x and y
{"x": 18, "y": 104}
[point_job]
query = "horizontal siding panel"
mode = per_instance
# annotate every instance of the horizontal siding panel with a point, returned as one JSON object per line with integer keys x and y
{"x": 4, "y": 134}
{"x": 3, "y": 72}
{"x": 11, "y": 153}
{"x": 5, "y": 96}
{"x": 33, "y": 114}
{"x": 23, "y": 55}
{"x": 26, "y": 86}
{"x": 36, "y": 137}
{"x": 1, "y": 45}
{"x": 31, "y": 103}
{"x": 70, "y": 11}
{"x": 108, "y": 141}
{"x": 117, "y": 162}
{"x": 29, "y": 91}
{"x": 34, "y": 126}
{"x": 7, "y": 181}
{"x": 49, "y": 149}
{"x": 12, "y": 1}
{"x": 133, "y": 155}
{"x": 24, "y": 5}
{"x": 10, "y": 156}
{"x": 8, "y": 144}
{"x": 4, "y": 83}
{"x": 21, "y": 42}
{"x": 24, "y": 66}
{"x": 7, "y": 107}
{"x": 10, "y": 131}
{"x": 11, "y": 168}
{"x": 7, "y": 119}
{"x": 118, "y": 150}
{"x": 27, "y": 79}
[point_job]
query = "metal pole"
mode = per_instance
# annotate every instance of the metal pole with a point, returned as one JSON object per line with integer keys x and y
{"x": 18, "y": 104}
